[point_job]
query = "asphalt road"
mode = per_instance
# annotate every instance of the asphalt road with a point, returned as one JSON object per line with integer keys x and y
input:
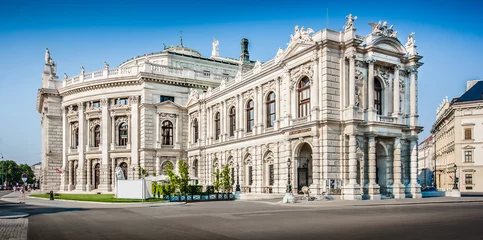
{"x": 252, "y": 220}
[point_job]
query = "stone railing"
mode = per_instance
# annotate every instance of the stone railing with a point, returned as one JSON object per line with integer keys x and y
{"x": 146, "y": 67}
{"x": 387, "y": 119}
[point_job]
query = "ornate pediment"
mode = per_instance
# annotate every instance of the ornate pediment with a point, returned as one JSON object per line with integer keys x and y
{"x": 297, "y": 73}
{"x": 167, "y": 116}
{"x": 301, "y": 35}
{"x": 194, "y": 115}
{"x": 231, "y": 102}
{"x": 468, "y": 147}
{"x": 383, "y": 73}
{"x": 270, "y": 86}
{"x": 248, "y": 94}
{"x": 120, "y": 120}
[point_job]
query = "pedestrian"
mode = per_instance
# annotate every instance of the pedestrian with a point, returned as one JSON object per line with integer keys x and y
{"x": 22, "y": 195}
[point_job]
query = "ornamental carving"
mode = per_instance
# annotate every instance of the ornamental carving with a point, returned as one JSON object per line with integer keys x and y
{"x": 358, "y": 94}
{"x": 167, "y": 116}
{"x": 120, "y": 120}
{"x": 270, "y": 86}
{"x": 194, "y": 115}
{"x": 301, "y": 35}
{"x": 103, "y": 102}
{"x": 75, "y": 126}
{"x": 402, "y": 83}
{"x": 306, "y": 69}
{"x": 360, "y": 64}
{"x": 133, "y": 99}
{"x": 248, "y": 94}
{"x": 383, "y": 72}
{"x": 269, "y": 159}
{"x": 257, "y": 67}
{"x": 358, "y": 75}
{"x": 381, "y": 29}
{"x": 230, "y": 102}
{"x": 278, "y": 57}
{"x": 94, "y": 122}
{"x": 71, "y": 110}
{"x": 194, "y": 95}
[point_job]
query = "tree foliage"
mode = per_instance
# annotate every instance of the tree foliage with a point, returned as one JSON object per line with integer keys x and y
{"x": 12, "y": 172}
{"x": 217, "y": 183}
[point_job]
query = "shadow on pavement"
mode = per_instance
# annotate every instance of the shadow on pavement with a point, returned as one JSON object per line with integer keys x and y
{"x": 34, "y": 210}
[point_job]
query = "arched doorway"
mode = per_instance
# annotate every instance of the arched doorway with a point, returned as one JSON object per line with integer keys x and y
{"x": 123, "y": 166}
{"x": 97, "y": 175}
{"x": 304, "y": 167}
{"x": 381, "y": 167}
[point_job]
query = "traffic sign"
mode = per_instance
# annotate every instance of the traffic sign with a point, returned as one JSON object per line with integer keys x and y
{"x": 24, "y": 177}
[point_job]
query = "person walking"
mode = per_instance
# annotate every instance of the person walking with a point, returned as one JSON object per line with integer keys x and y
{"x": 22, "y": 195}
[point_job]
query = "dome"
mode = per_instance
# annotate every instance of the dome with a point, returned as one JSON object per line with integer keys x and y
{"x": 183, "y": 50}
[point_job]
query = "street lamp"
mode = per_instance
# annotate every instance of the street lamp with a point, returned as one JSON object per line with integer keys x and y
{"x": 289, "y": 187}
{"x": 455, "y": 186}
{"x": 237, "y": 187}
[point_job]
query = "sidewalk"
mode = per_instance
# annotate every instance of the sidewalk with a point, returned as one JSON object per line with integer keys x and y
{"x": 386, "y": 202}
{"x": 14, "y": 198}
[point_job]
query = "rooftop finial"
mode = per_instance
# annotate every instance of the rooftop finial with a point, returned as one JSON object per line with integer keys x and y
{"x": 181, "y": 37}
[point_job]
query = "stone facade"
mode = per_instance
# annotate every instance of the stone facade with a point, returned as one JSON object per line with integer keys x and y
{"x": 341, "y": 107}
{"x": 426, "y": 162}
{"x": 458, "y": 142}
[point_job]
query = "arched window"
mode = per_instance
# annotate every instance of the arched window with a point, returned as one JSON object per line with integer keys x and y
{"x": 123, "y": 166}
{"x": 377, "y": 96}
{"x": 97, "y": 135}
{"x": 195, "y": 130}
{"x": 232, "y": 121}
{"x": 123, "y": 134}
{"x": 270, "y": 109}
{"x": 165, "y": 166}
{"x": 167, "y": 133}
{"x": 75, "y": 137}
{"x": 304, "y": 97}
{"x": 217, "y": 126}
{"x": 250, "y": 116}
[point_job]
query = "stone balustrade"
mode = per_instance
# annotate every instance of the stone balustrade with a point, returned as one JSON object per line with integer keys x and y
{"x": 387, "y": 119}
{"x": 146, "y": 67}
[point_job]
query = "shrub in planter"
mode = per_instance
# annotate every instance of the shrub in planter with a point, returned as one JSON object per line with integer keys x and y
{"x": 210, "y": 189}
{"x": 195, "y": 189}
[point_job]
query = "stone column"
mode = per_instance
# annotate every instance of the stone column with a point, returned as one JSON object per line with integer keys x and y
{"x": 314, "y": 89}
{"x": 89, "y": 175}
{"x": 373, "y": 187}
{"x": 209, "y": 126}
{"x": 158, "y": 133}
{"x": 397, "y": 187}
{"x": 65, "y": 147}
{"x": 413, "y": 97}
{"x": 352, "y": 80}
{"x": 80, "y": 148}
{"x": 278, "y": 102}
{"x": 395, "y": 111}
{"x": 315, "y": 187}
{"x": 239, "y": 118}
{"x": 288, "y": 98}
{"x": 260, "y": 104}
{"x": 70, "y": 185}
{"x": 414, "y": 187}
{"x": 113, "y": 174}
{"x": 113, "y": 131}
{"x": 104, "y": 147}
{"x": 223, "y": 119}
{"x": 158, "y": 165}
{"x": 371, "y": 111}
{"x": 352, "y": 190}
{"x": 134, "y": 100}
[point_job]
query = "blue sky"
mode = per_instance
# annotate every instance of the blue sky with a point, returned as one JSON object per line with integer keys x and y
{"x": 86, "y": 33}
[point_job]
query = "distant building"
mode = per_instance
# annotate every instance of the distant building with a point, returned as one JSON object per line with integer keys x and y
{"x": 340, "y": 106}
{"x": 426, "y": 162}
{"x": 458, "y": 132}
{"x": 37, "y": 168}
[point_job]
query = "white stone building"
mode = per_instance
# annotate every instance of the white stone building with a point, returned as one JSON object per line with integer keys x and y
{"x": 342, "y": 107}
{"x": 458, "y": 141}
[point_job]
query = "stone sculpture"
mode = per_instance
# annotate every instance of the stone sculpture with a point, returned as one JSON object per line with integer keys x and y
{"x": 349, "y": 25}
{"x": 215, "y": 52}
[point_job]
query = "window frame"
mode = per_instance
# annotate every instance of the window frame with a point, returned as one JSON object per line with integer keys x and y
{"x": 470, "y": 178}
{"x": 468, "y": 156}
{"x": 250, "y": 115}
{"x": 163, "y": 98}
{"x": 217, "y": 126}
{"x": 122, "y": 101}
{"x": 232, "y": 119}
{"x": 123, "y": 138}
{"x": 468, "y": 134}
{"x": 378, "y": 96}
{"x": 270, "y": 101}
{"x": 168, "y": 139}
{"x": 195, "y": 130}
{"x": 303, "y": 104}
{"x": 97, "y": 135}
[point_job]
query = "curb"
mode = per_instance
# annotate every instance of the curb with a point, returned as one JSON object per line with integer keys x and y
{"x": 375, "y": 204}
{"x": 14, "y": 215}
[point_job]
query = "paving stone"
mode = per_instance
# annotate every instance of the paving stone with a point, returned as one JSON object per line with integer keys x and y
{"x": 14, "y": 229}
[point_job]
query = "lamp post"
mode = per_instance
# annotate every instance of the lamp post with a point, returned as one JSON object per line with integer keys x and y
{"x": 455, "y": 186}
{"x": 288, "y": 198}
{"x": 133, "y": 169}
{"x": 289, "y": 187}
{"x": 237, "y": 187}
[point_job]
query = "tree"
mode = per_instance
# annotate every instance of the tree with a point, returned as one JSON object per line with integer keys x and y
{"x": 217, "y": 183}
{"x": 226, "y": 179}
{"x": 174, "y": 179}
{"x": 184, "y": 176}
{"x": 12, "y": 172}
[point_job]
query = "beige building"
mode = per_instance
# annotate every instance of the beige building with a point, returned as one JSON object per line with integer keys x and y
{"x": 426, "y": 162}
{"x": 459, "y": 141}
{"x": 341, "y": 106}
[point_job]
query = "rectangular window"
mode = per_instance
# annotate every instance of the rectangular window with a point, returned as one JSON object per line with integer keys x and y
{"x": 225, "y": 76}
{"x": 166, "y": 98}
{"x": 206, "y": 74}
{"x": 468, "y": 178}
{"x": 468, "y": 156}
{"x": 468, "y": 134}
{"x": 96, "y": 104}
{"x": 121, "y": 101}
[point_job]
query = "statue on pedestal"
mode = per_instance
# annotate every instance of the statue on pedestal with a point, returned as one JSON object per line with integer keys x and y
{"x": 215, "y": 52}
{"x": 349, "y": 25}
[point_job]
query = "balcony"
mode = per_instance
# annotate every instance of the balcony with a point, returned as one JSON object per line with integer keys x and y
{"x": 380, "y": 118}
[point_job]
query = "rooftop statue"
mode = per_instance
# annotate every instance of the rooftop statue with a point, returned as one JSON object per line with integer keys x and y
{"x": 47, "y": 55}
{"x": 82, "y": 70}
{"x": 381, "y": 29}
{"x": 349, "y": 25}
{"x": 65, "y": 76}
{"x": 411, "y": 41}
{"x": 214, "y": 51}
{"x": 106, "y": 65}
{"x": 301, "y": 34}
